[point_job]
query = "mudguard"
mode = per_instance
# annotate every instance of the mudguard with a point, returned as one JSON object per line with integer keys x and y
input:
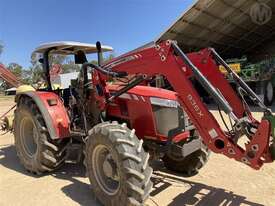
{"x": 52, "y": 110}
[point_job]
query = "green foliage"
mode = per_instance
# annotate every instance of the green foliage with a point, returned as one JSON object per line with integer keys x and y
{"x": 70, "y": 66}
{"x": 1, "y": 51}
{"x": 26, "y": 77}
{"x": 105, "y": 59}
{"x": 1, "y": 47}
{"x": 36, "y": 74}
{"x": 94, "y": 62}
{"x": 16, "y": 69}
{"x": 57, "y": 59}
{"x": 36, "y": 71}
{"x": 109, "y": 57}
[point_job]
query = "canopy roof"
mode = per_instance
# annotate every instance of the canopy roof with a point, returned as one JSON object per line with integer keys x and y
{"x": 70, "y": 47}
{"x": 232, "y": 27}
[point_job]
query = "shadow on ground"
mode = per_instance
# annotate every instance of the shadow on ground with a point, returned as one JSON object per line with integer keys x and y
{"x": 198, "y": 194}
{"x": 77, "y": 190}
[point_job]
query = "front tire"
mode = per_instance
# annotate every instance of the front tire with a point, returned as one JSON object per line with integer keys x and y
{"x": 117, "y": 165}
{"x": 35, "y": 149}
{"x": 188, "y": 165}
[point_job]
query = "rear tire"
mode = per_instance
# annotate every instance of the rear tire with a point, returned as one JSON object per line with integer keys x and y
{"x": 189, "y": 165}
{"x": 268, "y": 93}
{"x": 37, "y": 152}
{"x": 117, "y": 165}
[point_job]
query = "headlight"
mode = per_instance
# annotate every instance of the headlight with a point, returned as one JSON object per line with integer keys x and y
{"x": 164, "y": 102}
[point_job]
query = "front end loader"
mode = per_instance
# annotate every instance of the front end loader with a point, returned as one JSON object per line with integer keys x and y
{"x": 112, "y": 115}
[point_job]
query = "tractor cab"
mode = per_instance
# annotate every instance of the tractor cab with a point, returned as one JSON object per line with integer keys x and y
{"x": 77, "y": 49}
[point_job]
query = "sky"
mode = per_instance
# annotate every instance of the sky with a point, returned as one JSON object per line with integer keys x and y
{"x": 122, "y": 24}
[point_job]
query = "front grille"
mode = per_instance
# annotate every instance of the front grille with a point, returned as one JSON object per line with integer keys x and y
{"x": 168, "y": 118}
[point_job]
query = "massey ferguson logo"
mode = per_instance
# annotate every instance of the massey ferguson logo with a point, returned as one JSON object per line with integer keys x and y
{"x": 194, "y": 104}
{"x": 260, "y": 13}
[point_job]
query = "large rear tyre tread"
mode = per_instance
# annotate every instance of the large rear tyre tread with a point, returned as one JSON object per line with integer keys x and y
{"x": 268, "y": 93}
{"x": 48, "y": 155}
{"x": 135, "y": 172}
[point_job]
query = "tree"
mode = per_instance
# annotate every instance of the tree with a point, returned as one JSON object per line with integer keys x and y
{"x": 26, "y": 76}
{"x": 105, "y": 59}
{"x": 1, "y": 47}
{"x": 36, "y": 70}
{"x": 36, "y": 74}
{"x": 57, "y": 59}
{"x": 70, "y": 66}
{"x": 16, "y": 69}
{"x": 109, "y": 57}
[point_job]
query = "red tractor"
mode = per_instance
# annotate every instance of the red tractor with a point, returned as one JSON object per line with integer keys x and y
{"x": 112, "y": 116}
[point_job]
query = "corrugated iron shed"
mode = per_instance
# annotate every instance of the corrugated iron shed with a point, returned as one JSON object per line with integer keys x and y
{"x": 232, "y": 27}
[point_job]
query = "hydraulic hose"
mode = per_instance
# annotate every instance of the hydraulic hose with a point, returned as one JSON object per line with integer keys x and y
{"x": 104, "y": 71}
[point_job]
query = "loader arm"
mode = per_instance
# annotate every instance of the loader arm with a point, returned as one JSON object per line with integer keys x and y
{"x": 168, "y": 60}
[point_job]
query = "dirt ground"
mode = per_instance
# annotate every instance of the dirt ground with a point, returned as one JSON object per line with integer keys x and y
{"x": 221, "y": 182}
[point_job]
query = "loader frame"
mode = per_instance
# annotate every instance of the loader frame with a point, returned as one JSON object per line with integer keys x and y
{"x": 167, "y": 59}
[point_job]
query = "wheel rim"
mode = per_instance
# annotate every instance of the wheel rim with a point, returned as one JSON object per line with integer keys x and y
{"x": 28, "y": 134}
{"x": 105, "y": 169}
{"x": 269, "y": 91}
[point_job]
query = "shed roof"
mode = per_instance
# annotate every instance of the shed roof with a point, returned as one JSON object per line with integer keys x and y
{"x": 232, "y": 27}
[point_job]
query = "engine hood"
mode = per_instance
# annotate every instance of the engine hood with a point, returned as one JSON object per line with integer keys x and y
{"x": 147, "y": 91}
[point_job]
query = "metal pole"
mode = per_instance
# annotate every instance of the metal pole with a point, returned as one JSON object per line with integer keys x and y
{"x": 46, "y": 67}
{"x": 99, "y": 54}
